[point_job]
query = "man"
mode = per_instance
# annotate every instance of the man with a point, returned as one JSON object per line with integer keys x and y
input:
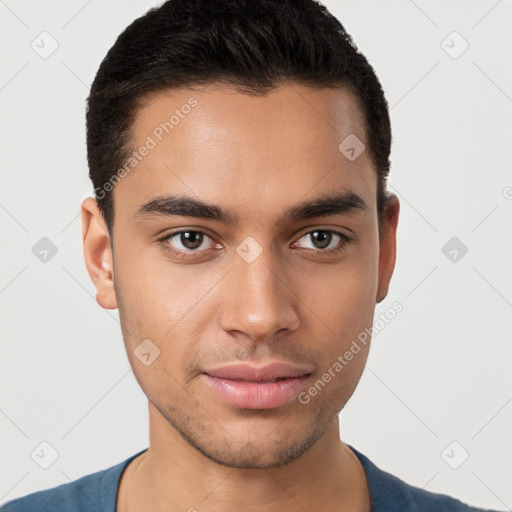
{"x": 239, "y": 151}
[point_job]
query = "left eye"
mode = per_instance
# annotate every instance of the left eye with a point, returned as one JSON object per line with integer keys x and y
{"x": 325, "y": 239}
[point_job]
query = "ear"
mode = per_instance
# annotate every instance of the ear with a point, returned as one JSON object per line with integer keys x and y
{"x": 387, "y": 252}
{"x": 98, "y": 253}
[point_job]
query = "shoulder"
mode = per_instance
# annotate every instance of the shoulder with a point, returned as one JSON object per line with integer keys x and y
{"x": 389, "y": 493}
{"x": 94, "y": 492}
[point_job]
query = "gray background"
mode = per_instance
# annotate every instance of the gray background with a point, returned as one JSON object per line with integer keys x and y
{"x": 438, "y": 373}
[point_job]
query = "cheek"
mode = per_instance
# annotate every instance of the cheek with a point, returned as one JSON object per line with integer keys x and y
{"x": 155, "y": 294}
{"x": 346, "y": 296}
{"x": 345, "y": 307}
{"x": 167, "y": 305}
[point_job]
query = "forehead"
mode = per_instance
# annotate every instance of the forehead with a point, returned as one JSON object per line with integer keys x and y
{"x": 221, "y": 108}
{"x": 225, "y": 146}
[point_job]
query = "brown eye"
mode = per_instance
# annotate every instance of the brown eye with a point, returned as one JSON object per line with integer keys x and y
{"x": 324, "y": 240}
{"x": 187, "y": 242}
{"x": 321, "y": 238}
{"x": 191, "y": 239}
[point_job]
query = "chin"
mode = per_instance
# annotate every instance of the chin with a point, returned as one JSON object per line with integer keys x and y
{"x": 255, "y": 457}
{"x": 262, "y": 452}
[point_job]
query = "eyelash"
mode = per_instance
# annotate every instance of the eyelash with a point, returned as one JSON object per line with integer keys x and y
{"x": 344, "y": 240}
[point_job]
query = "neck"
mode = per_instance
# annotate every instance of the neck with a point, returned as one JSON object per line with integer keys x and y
{"x": 328, "y": 476}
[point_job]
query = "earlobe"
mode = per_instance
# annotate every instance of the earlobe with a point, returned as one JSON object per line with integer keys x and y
{"x": 387, "y": 250}
{"x": 98, "y": 253}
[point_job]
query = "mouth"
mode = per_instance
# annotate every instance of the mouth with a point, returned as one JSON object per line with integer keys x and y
{"x": 251, "y": 387}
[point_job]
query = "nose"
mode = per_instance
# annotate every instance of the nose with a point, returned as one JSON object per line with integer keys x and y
{"x": 258, "y": 299}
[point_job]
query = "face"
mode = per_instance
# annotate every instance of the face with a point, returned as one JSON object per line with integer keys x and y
{"x": 245, "y": 249}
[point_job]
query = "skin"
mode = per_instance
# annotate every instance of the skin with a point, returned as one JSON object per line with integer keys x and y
{"x": 255, "y": 156}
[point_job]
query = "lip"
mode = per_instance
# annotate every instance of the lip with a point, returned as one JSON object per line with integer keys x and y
{"x": 257, "y": 387}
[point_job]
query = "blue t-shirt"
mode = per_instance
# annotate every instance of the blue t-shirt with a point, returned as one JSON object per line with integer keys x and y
{"x": 97, "y": 492}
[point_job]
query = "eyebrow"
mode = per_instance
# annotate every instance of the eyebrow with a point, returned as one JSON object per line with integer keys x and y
{"x": 325, "y": 205}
